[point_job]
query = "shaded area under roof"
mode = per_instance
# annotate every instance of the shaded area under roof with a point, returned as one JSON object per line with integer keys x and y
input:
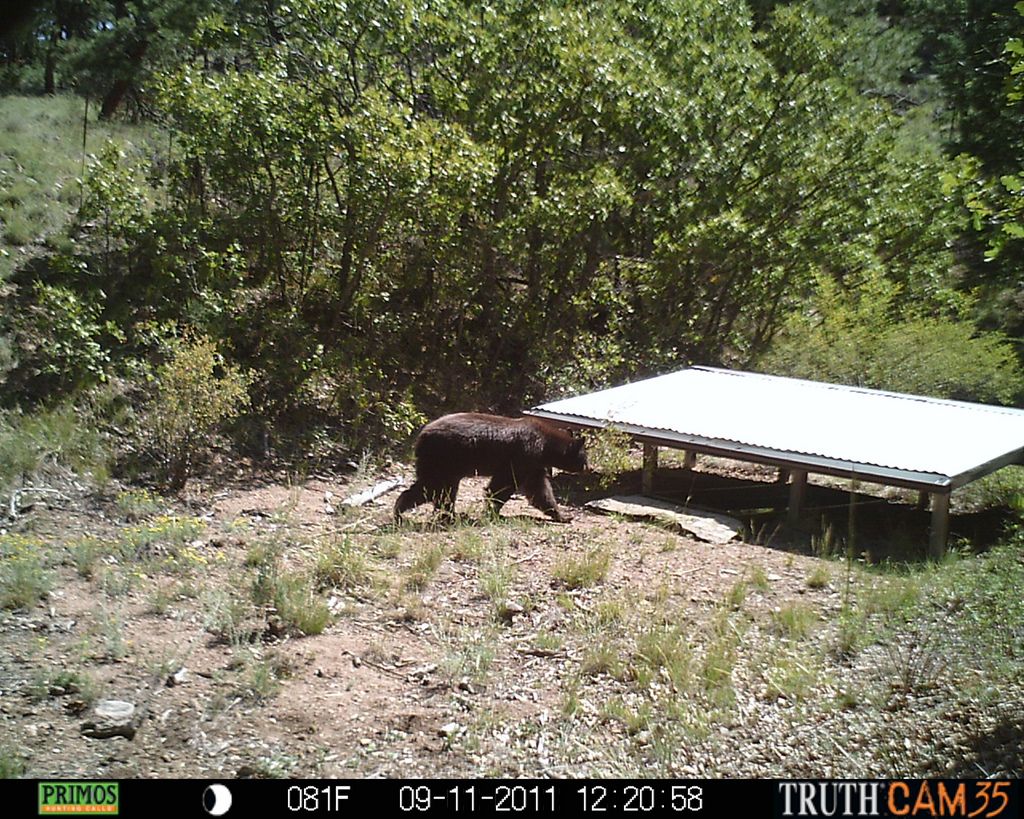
{"x": 891, "y": 438}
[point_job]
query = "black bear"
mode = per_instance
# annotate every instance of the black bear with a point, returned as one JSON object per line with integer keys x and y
{"x": 515, "y": 452}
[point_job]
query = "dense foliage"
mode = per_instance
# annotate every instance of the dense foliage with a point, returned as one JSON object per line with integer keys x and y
{"x": 387, "y": 208}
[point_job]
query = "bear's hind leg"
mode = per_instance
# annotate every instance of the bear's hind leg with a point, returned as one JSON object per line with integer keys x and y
{"x": 443, "y": 497}
{"x": 500, "y": 489}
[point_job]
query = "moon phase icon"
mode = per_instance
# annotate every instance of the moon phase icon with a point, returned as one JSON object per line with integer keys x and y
{"x": 217, "y": 800}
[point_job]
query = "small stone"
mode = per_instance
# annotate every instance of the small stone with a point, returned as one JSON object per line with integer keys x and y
{"x": 507, "y": 612}
{"x": 179, "y": 677}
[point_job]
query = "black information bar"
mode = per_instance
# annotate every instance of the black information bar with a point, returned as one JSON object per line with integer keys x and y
{"x": 949, "y": 799}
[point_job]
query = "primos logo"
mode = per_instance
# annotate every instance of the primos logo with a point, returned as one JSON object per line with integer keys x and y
{"x": 70, "y": 798}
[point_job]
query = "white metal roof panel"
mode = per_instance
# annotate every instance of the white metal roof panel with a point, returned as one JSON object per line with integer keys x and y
{"x": 829, "y": 423}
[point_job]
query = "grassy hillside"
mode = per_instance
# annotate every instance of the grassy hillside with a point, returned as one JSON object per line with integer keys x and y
{"x": 41, "y": 166}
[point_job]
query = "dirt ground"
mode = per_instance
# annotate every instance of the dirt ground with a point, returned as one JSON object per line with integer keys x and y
{"x": 602, "y": 647}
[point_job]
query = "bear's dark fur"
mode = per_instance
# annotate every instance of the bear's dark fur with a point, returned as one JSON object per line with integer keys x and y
{"x": 515, "y": 452}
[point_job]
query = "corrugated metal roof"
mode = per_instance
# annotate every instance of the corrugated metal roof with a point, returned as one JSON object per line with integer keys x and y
{"x": 893, "y": 437}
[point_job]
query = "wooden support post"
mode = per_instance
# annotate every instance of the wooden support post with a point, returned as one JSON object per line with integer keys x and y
{"x": 689, "y": 460}
{"x": 650, "y": 464}
{"x": 797, "y": 493}
{"x": 922, "y": 500}
{"x": 940, "y": 525}
{"x": 782, "y": 476}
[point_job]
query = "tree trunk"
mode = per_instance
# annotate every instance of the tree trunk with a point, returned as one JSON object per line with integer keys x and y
{"x": 49, "y": 83}
{"x": 115, "y": 96}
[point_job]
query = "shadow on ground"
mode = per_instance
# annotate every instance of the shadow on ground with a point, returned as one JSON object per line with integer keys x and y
{"x": 883, "y": 528}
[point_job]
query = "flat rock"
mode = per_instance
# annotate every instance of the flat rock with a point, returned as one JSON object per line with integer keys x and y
{"x": 711, "y": 527}
{"x": 111, "y": 718}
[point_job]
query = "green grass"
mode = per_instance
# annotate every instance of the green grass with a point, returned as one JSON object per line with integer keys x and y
{"x": 583, "y": 571}
{"x": 497, "y": 573}
{"x": 664, "y": 651}
{"x": 634, "y": 717}
{"x": 423, "y": 568}
{"x": 54, "y": 683}
{"x": 469, "y": 545}
{"x": 12, "y": 764}
{"x": 137, "y": 504}
{"x": 819, "y": 577}
{"x": 298, "y": 605}
{"x": 790, "y": 676}
{"x": 758, "y": 578}
{"x": 264, "y": 552}
{"x": 109, "y": 626}
{"x": 289, "y": 595}
{"x": 228, "y": 616}
{"x": 794, "y": 621}
{"x": 610, "y": 612}
{"x": 545, "y": 640}
{"x": 166, "y": 539}
{"x": 603, "y": 658}
{"x": 736, "y": 595}
{"x": 469, "y": 653}
{"x": 261, "y": 677}
{"x": 85, "y": 553}
{"x": 342, "y": 564}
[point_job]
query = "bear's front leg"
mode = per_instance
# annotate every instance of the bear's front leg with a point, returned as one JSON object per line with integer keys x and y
{"x": 409, "y": 499}
{"x": 541, "y": 496}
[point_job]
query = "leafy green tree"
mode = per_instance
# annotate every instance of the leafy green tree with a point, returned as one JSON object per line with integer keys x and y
{"x": 384, "y": 208}
{"x": 498, "y": 185}
{"x": 994, "y": 195}
{"x": 963, "y": 43}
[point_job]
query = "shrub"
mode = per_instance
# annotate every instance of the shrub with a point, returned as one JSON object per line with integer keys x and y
{"x": 24, "y": 576}
{"x": 74, "y": 333}
{"x": 858, "y": 338}
{"x": 608, "y": 453}
{"x": 65, "y": 435}
{"x": 197, "y": 392}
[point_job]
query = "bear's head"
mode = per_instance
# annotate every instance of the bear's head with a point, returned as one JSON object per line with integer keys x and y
{"x": 574, "y": 457}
